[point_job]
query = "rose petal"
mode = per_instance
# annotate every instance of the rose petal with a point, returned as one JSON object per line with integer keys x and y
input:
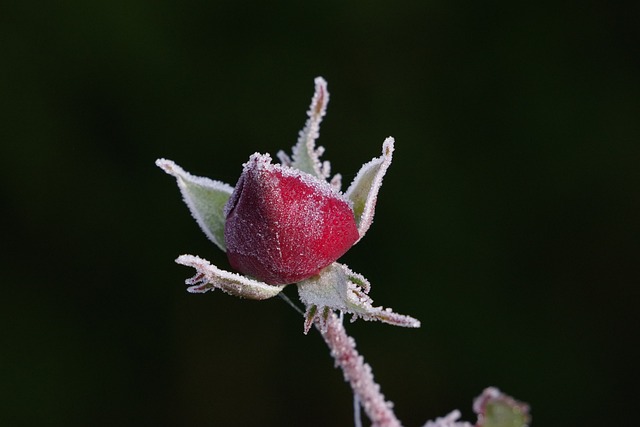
{"x": 284, "y": 225}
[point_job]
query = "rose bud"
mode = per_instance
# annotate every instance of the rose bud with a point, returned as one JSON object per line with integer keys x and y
{"x": 284, "y": 225}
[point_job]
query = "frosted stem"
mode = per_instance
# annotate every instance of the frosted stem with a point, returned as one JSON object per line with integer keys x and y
{"x": 357, "y": 373}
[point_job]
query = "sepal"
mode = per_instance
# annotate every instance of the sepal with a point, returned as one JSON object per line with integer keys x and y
{"x": 204, "y": 197}
{"x": 305, "y": 155}
{"x": 339, "y": 288}
{"x": 363, "y": 191}
{"x": 209, "y": 277}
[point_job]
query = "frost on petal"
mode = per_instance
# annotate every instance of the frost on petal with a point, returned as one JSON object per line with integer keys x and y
{"x": 306, "y": 157}
{"x": 209, "y": 277}
{"x": 204, "y": 197}
{"x": 363, "y": 191}
{"x": 450, "y": 420}
{"x": 339, "y": 288}
{"x": 496, "y": 409}
{"x": 284, "y": 225}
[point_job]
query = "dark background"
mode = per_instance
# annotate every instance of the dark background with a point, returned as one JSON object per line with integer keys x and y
{"x": 508, "y": 222}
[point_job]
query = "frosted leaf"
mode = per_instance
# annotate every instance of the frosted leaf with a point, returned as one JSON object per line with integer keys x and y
{"x": 363, "y": 191}
{"x": 339, "y": 288}
{"x": 209, "y": 277}
{"x": 450, "y": 420}
{"x": 496, "y": 409}
{"x": 204, "y": 197}
{"x": 305, "y": 155}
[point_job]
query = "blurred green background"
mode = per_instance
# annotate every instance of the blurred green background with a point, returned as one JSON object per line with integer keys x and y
{"x": 508, "y": 222}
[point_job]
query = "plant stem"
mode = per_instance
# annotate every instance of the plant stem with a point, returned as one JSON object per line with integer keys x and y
{"x": 357, "y": 373}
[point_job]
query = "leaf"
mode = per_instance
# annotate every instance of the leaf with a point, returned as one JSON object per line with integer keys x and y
{"x": 338, "y": 288}
{"x": 210, "y": 277}
{"x": 204, "y": 197}
{"x": 496, "y": 409}
{"x": 363, "y": 191}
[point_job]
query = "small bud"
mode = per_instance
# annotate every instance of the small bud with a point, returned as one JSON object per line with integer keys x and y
{"x": 284, "y": 225}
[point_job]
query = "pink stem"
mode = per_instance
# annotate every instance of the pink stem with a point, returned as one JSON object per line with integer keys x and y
{"x": 357, "y": 373}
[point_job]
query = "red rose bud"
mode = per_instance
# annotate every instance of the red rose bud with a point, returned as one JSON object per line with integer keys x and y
{"x": 284, "y": 225}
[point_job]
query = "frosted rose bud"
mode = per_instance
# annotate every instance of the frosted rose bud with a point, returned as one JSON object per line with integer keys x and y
{"x": 284, "y": 225}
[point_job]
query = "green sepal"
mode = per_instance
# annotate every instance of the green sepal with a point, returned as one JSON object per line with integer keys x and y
{"x": 336, "y": 287}
{"x": 363, "y": 191}
{"x": 209, "y": 277}
{"x": 204, "y": 197}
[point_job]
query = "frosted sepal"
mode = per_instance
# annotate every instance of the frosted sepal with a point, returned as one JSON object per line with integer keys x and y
{"x": 209, "y": 277}
{"x": 496, "y": 409}
{"x": 204, "y": 197}
{"x": 363, "y": 191}
{"x": 305, "y": 155}
{"x": 339, "y": 288}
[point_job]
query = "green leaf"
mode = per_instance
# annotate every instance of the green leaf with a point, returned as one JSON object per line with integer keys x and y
{"x": 496, "y": 409}
{"x": 204, "y": 197}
